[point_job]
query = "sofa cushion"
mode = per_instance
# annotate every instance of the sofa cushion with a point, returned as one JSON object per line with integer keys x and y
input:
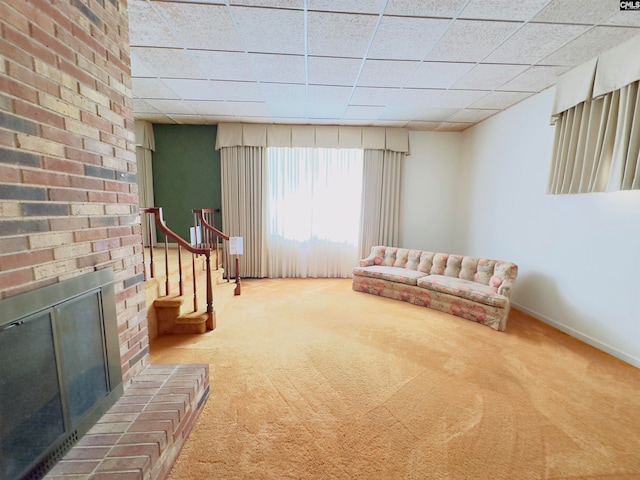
{"x": 392, "y": 274}
{"x": 464, "y": 288}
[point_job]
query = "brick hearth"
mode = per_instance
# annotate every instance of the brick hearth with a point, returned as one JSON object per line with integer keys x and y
{"x": 140, "y": 437}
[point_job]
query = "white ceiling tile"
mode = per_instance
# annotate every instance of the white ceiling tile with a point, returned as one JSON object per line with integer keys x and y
{"x": 230, "y": 109}
{"x": 339, "y": 34}
{"x": 502, "y": 9}
{"x": 533, "y": 42}
{"x": 166, "y": 62}
{"x": 281, "y": 92}
{"x": 268, "y": 30}
{"x": 219, "y": 118}
{"x": 392, "y": 123}
{"x": 458, "y": 98}
{"x": 154, "y": 118}
{"x": 630, "y": 18}
{"x": 172, "y": 107}
{"x": 278, "y": 68}
{"x": 424, "y": 8}
{"x": 210, "y": 2}
{"x": 399, "y": 112}
{"x": 333, "y": 71}
{"x": 489, "y": 76}
{"x": 325, "y": 110}
{"x": 500, "y": 100}
{"x": 139, "y": 69}
{"x": 141, "y": 106}
{"x": 453, "y": 127}
{"x": 386, "y": 73}
{"x": 146, "y": 27}
{"x": 186, "y": 119}
{"x": 589, "y": 45}
{"x": 372, "y": 96}
{"x": 223, "y": 65}
{"x": 405, "y": 38}
{"x": 215, "y": 90}
{"x": 239, "y": 91}
{"x": 535, "y": 79}
{"x": 295, "y": 4}
{"x": 417, "y": 96}
{"x": 249, "y": 109}
{"x": 577, "y": 11}
{"x": 201, "y": 26}
{"x": 423, "y": 126}
{"x": 151, "y": 88}
{"x": 438, "y": 74}
{"x": 245, "y": 60}
{"x": 431, "y": 114}
{"x": 287, "y": 109}
{"x": 469, "y": 115}
{"x": 471, "y": 40}
{"x": 194, "y": 89}
{"x": 252, "y": 119}
{"x": 292, "y": 120}
{"x": 348, "y": 6}
{"x": 356, "y": 112}
{"x": 327, "y": 94}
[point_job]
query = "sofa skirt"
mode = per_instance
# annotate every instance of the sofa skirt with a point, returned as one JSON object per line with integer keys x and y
{"x": 491, "y": 316}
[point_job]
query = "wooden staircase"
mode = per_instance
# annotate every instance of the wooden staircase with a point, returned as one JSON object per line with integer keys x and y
{"x": 175, "y": 313}
{"x": 175, "y": 278}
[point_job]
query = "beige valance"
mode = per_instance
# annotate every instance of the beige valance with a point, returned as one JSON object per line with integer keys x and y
{"x": 321, "y": 136}
{"x": 144, "y": 135}
{"x": 610, "y": 71}
{"x": 575, "y": 86}
{"x": 617, "y": 67}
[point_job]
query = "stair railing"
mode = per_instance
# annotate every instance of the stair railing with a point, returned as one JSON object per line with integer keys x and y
{"x": 210, "y": 236}
{"x": 156, "y": 213}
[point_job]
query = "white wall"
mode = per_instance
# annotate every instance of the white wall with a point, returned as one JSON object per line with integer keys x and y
{"x": 429, "y": 184}
{"x": 578, "y": 255}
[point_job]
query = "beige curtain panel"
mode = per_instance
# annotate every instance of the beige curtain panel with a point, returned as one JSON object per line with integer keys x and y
{"x": 310, "y": 136}
{"x": 380, "y": 217}
{"x": 145, "y": 145}
{"x": 244, "y": 205}
{"x": 597, "y": 113}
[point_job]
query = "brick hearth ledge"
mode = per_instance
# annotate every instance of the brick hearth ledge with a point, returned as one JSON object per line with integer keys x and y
{"x": 140, "y": 437}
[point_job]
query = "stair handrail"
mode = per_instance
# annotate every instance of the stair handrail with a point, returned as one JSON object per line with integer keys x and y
{"x": 200, "y": 214}
{"x": 206, "y": 252}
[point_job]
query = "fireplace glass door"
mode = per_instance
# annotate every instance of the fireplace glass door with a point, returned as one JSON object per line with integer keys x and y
{"x": 59, "y": 370}
{"x": 30, "y": 403}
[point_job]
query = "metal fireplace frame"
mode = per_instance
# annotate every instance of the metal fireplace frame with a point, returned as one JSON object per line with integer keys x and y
{"x": 42, "y": 302}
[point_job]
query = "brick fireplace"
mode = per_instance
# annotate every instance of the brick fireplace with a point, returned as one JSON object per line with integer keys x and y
{"x": 68, "y": 191}
{"x": 69, "y": 195}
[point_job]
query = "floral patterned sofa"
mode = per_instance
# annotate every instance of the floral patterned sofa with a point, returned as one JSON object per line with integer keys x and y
{"x": 477, "y": 289}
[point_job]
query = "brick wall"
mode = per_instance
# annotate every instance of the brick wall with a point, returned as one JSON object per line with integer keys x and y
{"x": 68, "y": 193}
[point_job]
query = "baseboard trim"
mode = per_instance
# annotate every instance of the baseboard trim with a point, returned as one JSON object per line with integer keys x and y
{"x": 625, "y": 357}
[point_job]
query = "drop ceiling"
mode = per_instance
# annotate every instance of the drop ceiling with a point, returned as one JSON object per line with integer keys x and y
{"x": 441, "y": 65}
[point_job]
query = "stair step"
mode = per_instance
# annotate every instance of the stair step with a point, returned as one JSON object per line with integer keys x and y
{"x": 173, "y": 314}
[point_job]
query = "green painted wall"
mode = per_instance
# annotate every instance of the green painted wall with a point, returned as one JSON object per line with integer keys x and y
{"x": 186, "y": 173}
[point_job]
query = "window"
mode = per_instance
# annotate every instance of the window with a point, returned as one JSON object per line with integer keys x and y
{"x": 313, "y": 211}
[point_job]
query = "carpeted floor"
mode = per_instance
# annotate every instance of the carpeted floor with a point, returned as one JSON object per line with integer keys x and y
{"x": 310, "y": 380}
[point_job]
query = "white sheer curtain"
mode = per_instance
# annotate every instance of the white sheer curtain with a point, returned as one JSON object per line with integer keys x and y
{"x": 380, "y": 217}
{"x": 244, "y": 204}
{"x": 313, "y": 204}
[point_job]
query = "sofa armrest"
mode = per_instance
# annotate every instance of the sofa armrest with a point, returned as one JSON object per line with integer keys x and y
{"x": 367, "y": 262}
{"x": 505, "y": 287}
{"x": 376, "y": 252}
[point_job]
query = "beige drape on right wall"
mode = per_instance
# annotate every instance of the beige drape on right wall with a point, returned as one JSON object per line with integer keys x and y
{"x": 597, "y": 113}
{"x": 380, "y": 217}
